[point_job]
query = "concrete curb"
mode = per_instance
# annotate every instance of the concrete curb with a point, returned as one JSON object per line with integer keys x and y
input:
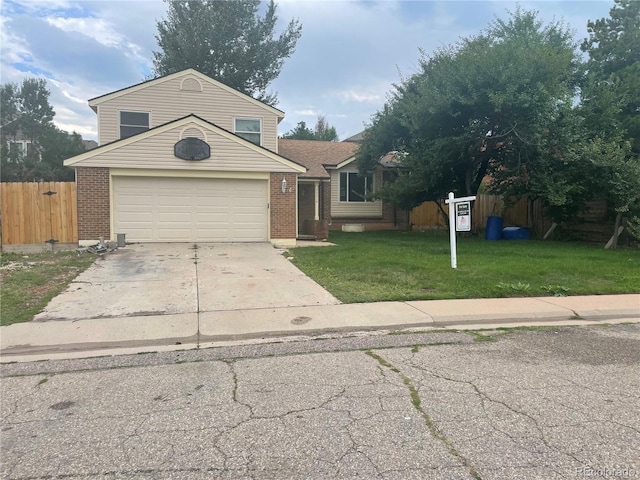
{"x": 192, "y": 329}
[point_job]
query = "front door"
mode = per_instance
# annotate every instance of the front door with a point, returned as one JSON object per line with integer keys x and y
{"x": 306, "y": 210}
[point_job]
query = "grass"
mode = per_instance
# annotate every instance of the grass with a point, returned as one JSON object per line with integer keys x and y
{"x": 30, "y": 281}
{"x": 388, "y": 266}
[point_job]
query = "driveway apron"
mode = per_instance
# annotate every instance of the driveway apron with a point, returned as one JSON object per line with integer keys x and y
{"x": 169, "y": 279}
{"x": 247, "y": 276}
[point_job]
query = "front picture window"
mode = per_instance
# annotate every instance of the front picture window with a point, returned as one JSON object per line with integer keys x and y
{"x": 355, "y": 187}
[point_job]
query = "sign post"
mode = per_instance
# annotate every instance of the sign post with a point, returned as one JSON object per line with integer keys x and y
{"x": 459, "y": 220}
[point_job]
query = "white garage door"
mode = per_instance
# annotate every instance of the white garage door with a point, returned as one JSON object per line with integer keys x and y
{"x": 152, "y": 209}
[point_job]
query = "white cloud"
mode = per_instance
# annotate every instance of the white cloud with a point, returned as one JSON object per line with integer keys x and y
{"x": 359, "y": 96}
{"x": 101, "y": 31}
{"x": 68, "y": 91}
{"x": 87, "y": 132}
{"x": 39, "y": 7}
{"x": 14, "y": 46}
{"x": 307, "y": 112}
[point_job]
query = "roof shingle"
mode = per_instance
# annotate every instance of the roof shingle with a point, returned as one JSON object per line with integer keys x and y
{"x": 315, "y": 154}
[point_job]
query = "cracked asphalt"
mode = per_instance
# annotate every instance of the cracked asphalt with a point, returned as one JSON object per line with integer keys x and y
{"x": 532, "y": 404}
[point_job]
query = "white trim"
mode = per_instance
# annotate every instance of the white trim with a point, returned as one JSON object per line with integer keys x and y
{"x": 23, "y": 145}
{"x": 269, "y": 206}
{"x": 98, "y": 119}
{"x": 141, "y": 172}
{"x": 316, "y": 198}
{"x": 112, "y": 199}
{"x": 343, "y": 163}
{"x": 204, "y": 134}
{"x": 235, "y": 129}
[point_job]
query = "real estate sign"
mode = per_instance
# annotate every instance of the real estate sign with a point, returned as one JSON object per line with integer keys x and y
{"x": 459, "y": 220}
{"x": 463, "y": 217}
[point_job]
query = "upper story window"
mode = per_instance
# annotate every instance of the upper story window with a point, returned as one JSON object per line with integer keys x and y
{"x": 16, "y": 148}
{"x": 20, "y": 148}
{"x": 249, "y": 129}
{"x": 354, "y": 187}
{"x": 132, "y": 123}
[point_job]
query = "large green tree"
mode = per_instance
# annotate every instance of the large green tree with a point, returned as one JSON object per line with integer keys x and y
{"x": 322, "y": 131}
{"x": 493, "y": 104}
{"x": 228, "y": 40}
{"x": 28, "y": 116}
{"x": 611, "y": 93}
{"x": 611, "y": 108}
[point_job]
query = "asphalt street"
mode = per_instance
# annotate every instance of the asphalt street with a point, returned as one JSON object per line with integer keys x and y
{"x": 527, "y": 404}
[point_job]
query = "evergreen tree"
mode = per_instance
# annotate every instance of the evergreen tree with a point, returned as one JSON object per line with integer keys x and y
{"x": 322, "y": 131}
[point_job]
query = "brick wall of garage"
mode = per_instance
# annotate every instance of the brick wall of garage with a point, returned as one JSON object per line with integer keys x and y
{"x": 283, "y": 205}
{"x": 93, "y": 203}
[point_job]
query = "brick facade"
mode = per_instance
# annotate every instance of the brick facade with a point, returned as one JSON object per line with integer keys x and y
{"x": 325, "y": 201}
{"x": 94, "y": 221}
{"x": 92, "y": 186}
{"x": 283, "y": 206}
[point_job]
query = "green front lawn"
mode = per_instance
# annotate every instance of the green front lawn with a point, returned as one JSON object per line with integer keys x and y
{"x": 382, "y": 266}
{"x": 30, "y": 281}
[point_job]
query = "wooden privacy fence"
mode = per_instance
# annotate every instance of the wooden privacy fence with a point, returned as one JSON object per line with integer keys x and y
{"x": 37, "y": 213}
{"x": 428, "y": 215}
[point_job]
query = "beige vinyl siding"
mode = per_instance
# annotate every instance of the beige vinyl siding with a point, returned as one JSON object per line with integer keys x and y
{"x": 157, "y": 152}
{"x": 352, "y": 209}
{"x": 166, "y": 101}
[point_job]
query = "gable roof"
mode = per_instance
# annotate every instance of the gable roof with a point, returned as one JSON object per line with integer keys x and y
{"x": 94, "y": 102}
{"x": 315, "y": 155}
{"x": 186, "y": 120}
{"x": 358, "y": 137}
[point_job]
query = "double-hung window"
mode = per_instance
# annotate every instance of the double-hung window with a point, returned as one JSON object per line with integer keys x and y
{"x": 16, "y": 148}
{"x": 132, "y": 123}
{"x": 249, "y": 129}
{"x": 20, "y": 148}
{"x": 355, "y": 187}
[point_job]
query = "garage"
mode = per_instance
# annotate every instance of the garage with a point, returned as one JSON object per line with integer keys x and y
{"x": 170, "y": 209}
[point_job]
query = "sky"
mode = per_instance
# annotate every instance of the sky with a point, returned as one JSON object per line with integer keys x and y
{"x": 344, "y": 67}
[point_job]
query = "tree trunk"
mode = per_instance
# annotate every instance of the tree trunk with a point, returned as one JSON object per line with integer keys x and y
{"x": 614, "y": 245}
{"x": 444, "y": 213}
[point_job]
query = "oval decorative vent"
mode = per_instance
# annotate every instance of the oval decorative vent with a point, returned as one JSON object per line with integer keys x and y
{"x": 192, "y": 149}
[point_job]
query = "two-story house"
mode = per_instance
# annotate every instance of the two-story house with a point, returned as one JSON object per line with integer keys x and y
{"x": 184, "y": 158}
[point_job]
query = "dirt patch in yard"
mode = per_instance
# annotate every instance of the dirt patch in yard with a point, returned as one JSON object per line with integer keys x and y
{"x": 29, "y": 282}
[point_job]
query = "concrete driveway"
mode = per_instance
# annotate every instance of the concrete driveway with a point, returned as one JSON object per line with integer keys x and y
{"x": 175, "y": 279}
